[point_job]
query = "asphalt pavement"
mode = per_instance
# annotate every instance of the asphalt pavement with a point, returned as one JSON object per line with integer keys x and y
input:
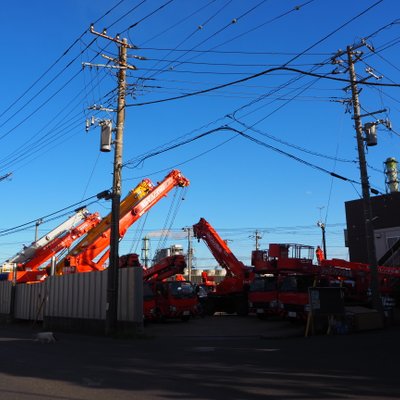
{"x": 221, "y": 357}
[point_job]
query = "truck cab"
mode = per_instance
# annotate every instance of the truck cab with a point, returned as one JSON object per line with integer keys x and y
{"x": 176, "y": 300}
{"x": 293, "y": 300}
{"x": 281, "y": 286}
{"x": 149, "y": 302}
{"x": 263, "y": 295}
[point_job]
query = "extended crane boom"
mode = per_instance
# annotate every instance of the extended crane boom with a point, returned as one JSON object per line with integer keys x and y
{"x": 219, "y": 249}
{"x": 231, "y": 293}
{"x": 93, "y": 244}
{"x": 30, "y": 252}
{"x": 142, "y": 198}
{"x": 61, "y": 243}
{"x": 165, "y": 268}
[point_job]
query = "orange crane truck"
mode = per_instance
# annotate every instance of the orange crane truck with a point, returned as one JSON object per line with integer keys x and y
{"x": 280, "y": 286}
{"x": 92, "y": 251}
{"x": 30, "y": 263}
{"x": 62, "y": 242}
{"x": 175, "y": 299}
{"x": 84, "y": 256}
{"x": 165, "y": 298}
{"x": 295, "y": 273}
{"x": 356, "y": 280}
{"x": 230, "y": 294}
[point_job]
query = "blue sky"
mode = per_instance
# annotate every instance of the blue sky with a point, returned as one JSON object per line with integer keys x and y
{"x": 240, "y": 184}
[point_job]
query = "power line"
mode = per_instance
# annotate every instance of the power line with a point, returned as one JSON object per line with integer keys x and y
{"x": 389, "y": 25}
{"x": 296, "y": 8}
{"x": 254, "y": 76}
{"x": 233, "y": 21}
{"x": 228, "y": 128}
{"x": 125, "y": 14}
{"x": 69, "y": 48}
{"x": 314, "y": 45}
{"x": 6, "y": 176}
{"x": 53, "y": 214}
{"x": 243, "y": 52}
{"x": 60, "y": 126}
{"x": 148, "y": 15}
{"x": 314, "y": 153}
{"x": 221, "y": 64}
{"x": 200, "y": 27}
{"x": 177, "y": 23}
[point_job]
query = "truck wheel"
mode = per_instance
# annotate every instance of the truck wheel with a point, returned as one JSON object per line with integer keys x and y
{"x": 242, "y": 308}
{"x": 209, "y": 308}
{"x": 230, "y": 309}
{"x": 159, "y": 316}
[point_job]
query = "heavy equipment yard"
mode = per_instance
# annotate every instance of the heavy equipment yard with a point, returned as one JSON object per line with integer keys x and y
{"x": 77, "y": 277}
{"x": 282, "y": 284}
{"x": 284, "y": 326}
{"x": 269, "y": 269}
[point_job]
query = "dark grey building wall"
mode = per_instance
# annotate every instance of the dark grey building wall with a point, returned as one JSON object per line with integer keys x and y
{"x": 386, "y": 214}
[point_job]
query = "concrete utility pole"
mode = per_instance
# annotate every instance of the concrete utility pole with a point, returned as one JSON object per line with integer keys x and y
{"x": 369, "y": 231}
{"x": 112, "y": 270}
{"x": 189, "y": 232}
{"x": 322, "y": 226}
{"x": 257, "y": 237}
{"x": 145, "y": 252}
{"x": 112, "y": 286}
{"x": 38, "y": 222}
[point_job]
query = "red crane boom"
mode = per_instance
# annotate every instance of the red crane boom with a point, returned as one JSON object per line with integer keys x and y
{"x": 231, "y": 293}
{"x": 142, "y": 198}
{"x": 165, "y": 268}
{"x": 61, "y": 243}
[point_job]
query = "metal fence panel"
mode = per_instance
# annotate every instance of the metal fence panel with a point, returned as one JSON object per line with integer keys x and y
{"x": 29, "y": 301}
{"x": 126, "y": 291}
{"x": 5, "y": 297}
{"x": 80, "y": 295}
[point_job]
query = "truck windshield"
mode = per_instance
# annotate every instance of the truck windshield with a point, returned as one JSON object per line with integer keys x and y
{"x": 181, "y": 290}
{"x": 298, "y": 283}
{"x": 148, "y": 293}
{"x": 263, "y": 284}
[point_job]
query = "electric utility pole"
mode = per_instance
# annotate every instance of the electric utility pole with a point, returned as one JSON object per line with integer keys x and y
{"x": 322, "y": 226}
{"x": 257, "y": 237}
{"x": 38, "y": 222}
{"x": 189, "y": 231}
{"x": 369, "y": 231}
{"x": 145, "y": 251}
{"x": 112, "y": 270}
{"x": 112, "y": 286}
